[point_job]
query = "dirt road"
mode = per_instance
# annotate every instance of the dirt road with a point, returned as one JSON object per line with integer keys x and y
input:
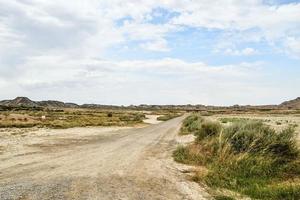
{"x": 131, "y": 164}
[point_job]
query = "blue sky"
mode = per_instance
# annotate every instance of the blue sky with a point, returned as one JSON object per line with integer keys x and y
{"x": 151, "y": 51}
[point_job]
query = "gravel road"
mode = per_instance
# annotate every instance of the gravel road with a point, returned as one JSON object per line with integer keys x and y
{"x": 132, "y": 163}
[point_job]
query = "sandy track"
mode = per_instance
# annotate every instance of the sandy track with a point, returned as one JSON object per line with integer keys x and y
{"x": 125, "y": 164}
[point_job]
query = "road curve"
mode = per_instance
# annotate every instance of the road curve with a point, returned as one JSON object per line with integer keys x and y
{"x": 127, "y": 164}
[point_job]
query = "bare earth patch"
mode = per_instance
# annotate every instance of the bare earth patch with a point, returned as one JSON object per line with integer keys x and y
{"x": 152, "y": 119}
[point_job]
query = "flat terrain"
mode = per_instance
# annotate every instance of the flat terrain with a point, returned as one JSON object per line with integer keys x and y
{"x": 67, "y": 118}
{"x": 94, "y": 163}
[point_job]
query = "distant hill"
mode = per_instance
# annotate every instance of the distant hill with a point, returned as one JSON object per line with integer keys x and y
{"x": 26, "y": 102}
{"x": 292, "y": 104}
{"x": 19, "y": 101}
{"x": 57, "y": 104}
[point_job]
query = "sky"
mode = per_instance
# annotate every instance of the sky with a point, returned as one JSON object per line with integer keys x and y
{"x": 220, "y": 52}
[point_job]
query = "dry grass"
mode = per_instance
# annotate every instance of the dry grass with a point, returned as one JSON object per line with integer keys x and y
{"x": 168, "y": 116}
{"x": 68, "y": 118}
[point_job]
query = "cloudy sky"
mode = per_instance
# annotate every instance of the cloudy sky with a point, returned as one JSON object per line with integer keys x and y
{"x": 219, "y": 52}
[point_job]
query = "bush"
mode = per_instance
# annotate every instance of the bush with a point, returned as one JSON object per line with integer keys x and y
{"x": 247, "y": 136}
{"x": 191, "y": 124}
{"x": 256, "y": 137}
{"x": 284, "y": 145}
{"x": 208, "y": 129}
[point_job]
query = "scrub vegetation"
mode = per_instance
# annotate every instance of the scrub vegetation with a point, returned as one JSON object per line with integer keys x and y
{"x": 67, "y": 118}
{"x": 246, "y": 156}
{"x": 168, "y": 116}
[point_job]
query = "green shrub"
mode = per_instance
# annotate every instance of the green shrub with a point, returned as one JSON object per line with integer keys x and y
{"x": 191, "y": 124}
{"x": 256, "y": 137}
{"x": 207, "y": 129}
{"x": 284, "y": 145}
{"x": 249, "y": 136}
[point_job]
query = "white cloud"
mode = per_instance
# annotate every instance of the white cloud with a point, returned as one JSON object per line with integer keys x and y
{"x": 151, "y": 36}
{"x": 128, "y": 81}
{"x": 158, "y": 45}
{"x": 243, "y": 52}
{"x": 240, "y": 15}
{"x": 273, "y": 23}
{"x": 293, "y": 46}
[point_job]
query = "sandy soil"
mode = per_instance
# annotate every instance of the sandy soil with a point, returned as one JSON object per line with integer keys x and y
{"x": 152, "y": 119}
{"x": 94, "y": 163}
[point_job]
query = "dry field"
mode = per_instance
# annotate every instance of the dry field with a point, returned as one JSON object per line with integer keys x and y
{"x": 68, "y": 118}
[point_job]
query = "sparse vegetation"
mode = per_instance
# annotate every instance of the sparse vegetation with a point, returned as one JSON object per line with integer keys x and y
{"x": 168, "y": 116}
{"x": 68, "y": 118}
{"x": 247, "y": 156}
{"x": 235, "y": 119}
